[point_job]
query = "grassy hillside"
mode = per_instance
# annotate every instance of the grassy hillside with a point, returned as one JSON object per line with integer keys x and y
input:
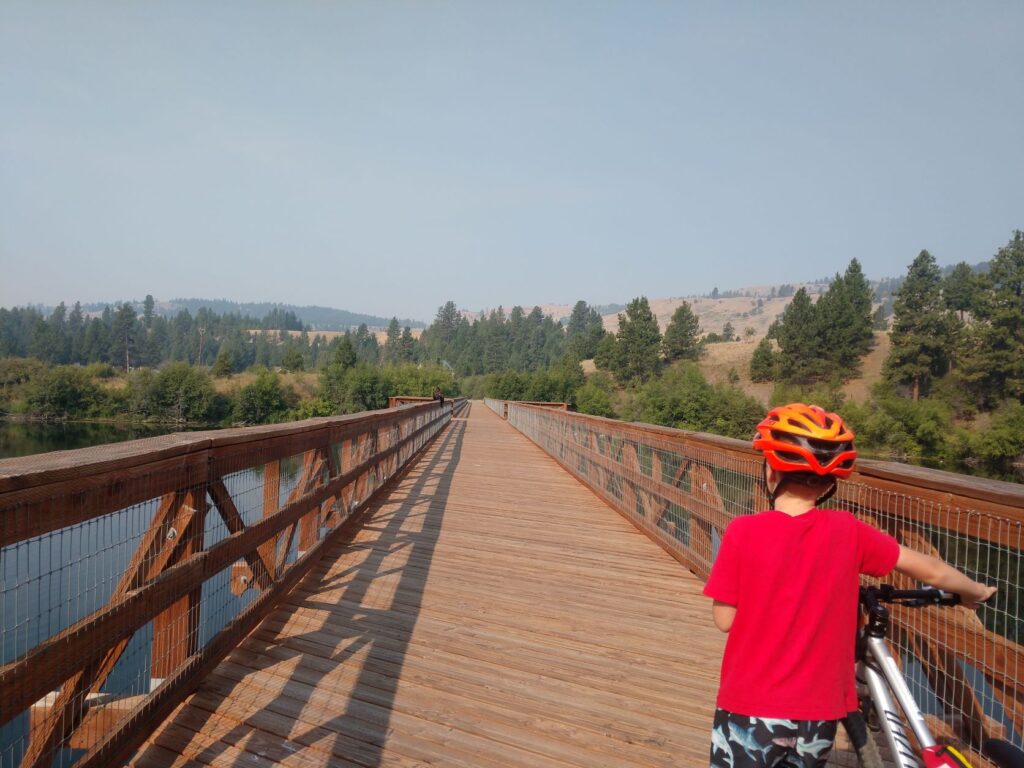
{"x": 719, "y": 359}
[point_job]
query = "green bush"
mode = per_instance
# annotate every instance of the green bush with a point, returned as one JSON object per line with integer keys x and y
{"x": 999, "y": 450}
{"x": 595, "y": 397}
{"x": 265, "y": 400}
{"x": 899, "y": 428}
{"x": 65, "y": 392}
{"x": 183, "y": 393}
{"x": 684, "y": 399}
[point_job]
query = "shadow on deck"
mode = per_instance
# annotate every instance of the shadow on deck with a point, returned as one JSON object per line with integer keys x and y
{"x": 490, "y": 612}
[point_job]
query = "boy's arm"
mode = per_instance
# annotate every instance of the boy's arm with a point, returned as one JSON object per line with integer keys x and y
{"x": 937, "y": 573}
{"x": 723, "y": 614}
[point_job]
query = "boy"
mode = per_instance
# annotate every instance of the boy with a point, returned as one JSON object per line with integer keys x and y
{"x": 785, "y": 588}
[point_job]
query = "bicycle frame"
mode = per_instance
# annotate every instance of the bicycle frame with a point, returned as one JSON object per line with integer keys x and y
{"x": 886, "y": 687}
{"x": 884, "y": 680}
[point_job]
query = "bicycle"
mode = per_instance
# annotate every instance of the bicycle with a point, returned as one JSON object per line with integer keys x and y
{"x": 881, "y": 685}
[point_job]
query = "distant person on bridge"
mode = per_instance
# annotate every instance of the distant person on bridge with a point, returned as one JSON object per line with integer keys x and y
{"x": 439, "y": 396}
{"x": 785, "y": 587}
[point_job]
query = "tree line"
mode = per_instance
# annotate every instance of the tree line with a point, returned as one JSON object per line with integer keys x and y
{"x": 957, "y": 354}
{"x": 180, "y": 393}
{"x": 956, "y": 360}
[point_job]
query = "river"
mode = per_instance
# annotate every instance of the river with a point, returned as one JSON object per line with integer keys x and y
{"x": 24, "y": 438}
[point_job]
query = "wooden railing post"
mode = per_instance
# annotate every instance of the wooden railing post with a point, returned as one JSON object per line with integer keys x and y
{"x": 176, "y": 630}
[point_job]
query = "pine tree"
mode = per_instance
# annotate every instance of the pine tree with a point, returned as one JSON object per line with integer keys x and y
{"x": 921, "y": 330}
{"x": 639, "y": 340}
{"x": 845, "y": 322}
{"x": 800, "y": 340}
{"x": 762, "y": 362}
{"x": 76, "y": 333}
{"x": 608, "y": 356}
{"x": 584, "y": 331}
{"x": 406, "y": 346}
{"x": 148, "y": 311}
{"x": 859, "y": 297}
{"x": 223, "y": 365}
{"x": 123, "y": 335}
{"x": 997, "y": 359}
{"x": 960, "y": 289}
{"x": 681, "y": 340}
{"x": 344, "y": 354}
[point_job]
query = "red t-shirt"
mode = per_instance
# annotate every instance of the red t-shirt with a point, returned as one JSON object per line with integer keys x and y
{"x": 794, "y": 582}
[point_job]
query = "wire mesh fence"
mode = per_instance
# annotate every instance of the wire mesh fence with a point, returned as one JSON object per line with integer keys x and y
{"x": 966, "y": 669}
{"x": 127, "y": 570}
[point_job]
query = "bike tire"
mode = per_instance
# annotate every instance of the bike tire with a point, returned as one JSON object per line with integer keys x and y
{"x": 1003, "y": 753}
{"x": 860, "y": 738}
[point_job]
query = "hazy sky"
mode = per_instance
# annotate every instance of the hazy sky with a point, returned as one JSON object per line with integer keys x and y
{"x": 385, "y": 157}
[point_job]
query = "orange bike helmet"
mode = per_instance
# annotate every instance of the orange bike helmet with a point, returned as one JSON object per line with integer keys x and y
{"x": 806, "y": 438}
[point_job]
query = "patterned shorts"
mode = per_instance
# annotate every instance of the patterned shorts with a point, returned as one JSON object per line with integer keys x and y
{"x": 738, "y": 741}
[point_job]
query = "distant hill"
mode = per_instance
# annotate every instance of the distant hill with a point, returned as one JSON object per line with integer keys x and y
{"x": 317, "y": 318}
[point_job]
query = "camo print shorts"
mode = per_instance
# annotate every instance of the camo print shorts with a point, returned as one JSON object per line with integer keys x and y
{"x": 738, "y": 741}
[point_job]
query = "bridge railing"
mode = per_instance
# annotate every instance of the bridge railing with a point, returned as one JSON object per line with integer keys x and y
{"x": 127, "y": 571}
{"x": 683, "y": 488}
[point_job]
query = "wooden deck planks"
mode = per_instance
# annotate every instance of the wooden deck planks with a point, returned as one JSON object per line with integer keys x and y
{"x": 492, "y": 612}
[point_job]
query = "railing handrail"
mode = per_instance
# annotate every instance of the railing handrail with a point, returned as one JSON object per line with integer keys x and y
{"x": 22, "y": 472}
{"x": 952, "y": 486}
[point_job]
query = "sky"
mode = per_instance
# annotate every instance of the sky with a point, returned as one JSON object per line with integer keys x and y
{"x": 385, "y": 157}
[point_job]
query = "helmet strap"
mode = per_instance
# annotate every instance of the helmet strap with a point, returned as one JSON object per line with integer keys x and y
{"x": 828, "y": 494}
{"x": 768, "y": 491}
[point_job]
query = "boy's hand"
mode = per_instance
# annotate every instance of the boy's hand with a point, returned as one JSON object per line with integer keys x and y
{"x": 979, "y": 594}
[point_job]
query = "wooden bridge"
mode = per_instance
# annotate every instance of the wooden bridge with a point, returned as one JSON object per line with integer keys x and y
{"x": 465, "y": 585}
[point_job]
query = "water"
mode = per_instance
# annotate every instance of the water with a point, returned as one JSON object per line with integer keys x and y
{"x": 24, "y": 438}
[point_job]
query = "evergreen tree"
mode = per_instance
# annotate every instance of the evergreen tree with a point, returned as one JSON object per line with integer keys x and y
{"x": 367, "y": 349}
{"x": 76, "y": 334}
{"x": 682, "y": 340}
{"x": 762, "y": 362}
{"x": 584, "y": 331}
{"x": 960, "y": 289}
{"x": 997, "y": 359}
{"x": 800, "y": 340}
{"x": 608, "y": 356}
{"x": 123, "y": 336}
{"x": 391, "y": 342}
{"x": 845, "y": 323}
{"x": 148, "y": 311}
{"x": 292, "y": 360}
{"x": 447, "y": 322}
{"x": 223, "y": 365}
{"x": 920, "y": 331}
{"x": 344, "y": 354}
{"x": 858, "y": 297}
{"x": 406, "y": 346}
{"x": 639, "y": 340}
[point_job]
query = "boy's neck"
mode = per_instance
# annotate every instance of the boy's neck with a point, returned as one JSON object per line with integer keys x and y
{"x": 793, "y": 504}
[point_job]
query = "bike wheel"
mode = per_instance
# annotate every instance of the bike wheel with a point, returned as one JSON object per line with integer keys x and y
{"x": 860, "y": 738}
{"x": 1003, "y": 753}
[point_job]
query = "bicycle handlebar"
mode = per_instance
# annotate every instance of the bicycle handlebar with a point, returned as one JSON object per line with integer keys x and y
{"x": 871, "y": 597}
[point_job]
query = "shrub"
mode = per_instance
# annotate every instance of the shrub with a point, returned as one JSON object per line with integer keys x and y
{"x": 183, "y": 393}
{"x": 264, "y": 400}
{"x": 65, "y": 392}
